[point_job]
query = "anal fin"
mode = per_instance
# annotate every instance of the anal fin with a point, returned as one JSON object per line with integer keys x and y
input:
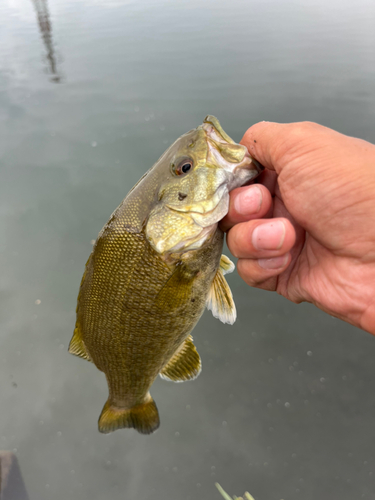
{"x": 184, "y": 365}
{"x": 220, "y": 299}
{"x": 144, "y": 417}
{"x": 77, "y": 346}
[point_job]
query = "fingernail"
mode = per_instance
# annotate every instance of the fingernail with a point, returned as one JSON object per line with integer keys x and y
{"x": 249, "y": 201}
{"x": 274, "y": 263}
{"x": 269, "y": 236}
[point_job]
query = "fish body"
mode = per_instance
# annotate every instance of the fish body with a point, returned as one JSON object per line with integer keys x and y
{"x": 154, "y": 268}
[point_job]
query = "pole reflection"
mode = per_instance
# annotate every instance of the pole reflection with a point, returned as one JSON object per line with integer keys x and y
{"x": 45, "y": 26}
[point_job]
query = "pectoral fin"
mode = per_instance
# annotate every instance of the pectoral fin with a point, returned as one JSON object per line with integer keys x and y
{"x": 226, "y": 265}
{"x": 184, "y": 365}
{"x": 220, "y": 298}
{"x": 77, "y": 345}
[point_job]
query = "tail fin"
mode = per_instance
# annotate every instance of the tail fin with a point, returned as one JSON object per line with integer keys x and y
{"x": 144, "y": 418}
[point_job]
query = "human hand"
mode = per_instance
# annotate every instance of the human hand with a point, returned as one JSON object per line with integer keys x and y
{"x": 307, "y": 228}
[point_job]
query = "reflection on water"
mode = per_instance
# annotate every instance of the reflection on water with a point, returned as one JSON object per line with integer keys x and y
{"x": 284, "y": 406}
{"x": 12, "y": 486}
{"x": 45, "y": 26}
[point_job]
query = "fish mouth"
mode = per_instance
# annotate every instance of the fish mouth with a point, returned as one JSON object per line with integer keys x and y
{"x": 258, "y": 166}
{"x": 246, "y": 173}
{"x": 234, "y": 158}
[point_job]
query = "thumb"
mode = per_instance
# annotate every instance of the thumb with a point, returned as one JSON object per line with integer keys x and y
{"x": 276, "y": 145}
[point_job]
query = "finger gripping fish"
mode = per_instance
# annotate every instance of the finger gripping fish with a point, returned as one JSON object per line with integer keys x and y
{"x": 154, "y": 268}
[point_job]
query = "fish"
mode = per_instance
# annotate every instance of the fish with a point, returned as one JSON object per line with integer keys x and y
{"x": 154, "y": 268}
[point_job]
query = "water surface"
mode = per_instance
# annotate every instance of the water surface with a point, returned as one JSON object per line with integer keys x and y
{"x": 91, "y": 94}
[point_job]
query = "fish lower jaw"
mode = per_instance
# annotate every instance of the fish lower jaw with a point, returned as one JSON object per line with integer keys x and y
{"x": 196, "y": 242}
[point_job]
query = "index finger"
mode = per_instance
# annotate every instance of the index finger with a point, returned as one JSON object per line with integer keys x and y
{"x": 247, "y": 203}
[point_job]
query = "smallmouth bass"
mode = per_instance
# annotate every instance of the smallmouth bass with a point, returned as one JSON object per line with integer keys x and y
{"x": 154, "y": 268}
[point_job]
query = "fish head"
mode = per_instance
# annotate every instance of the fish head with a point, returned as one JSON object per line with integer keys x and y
{"x": 199, "y": 171}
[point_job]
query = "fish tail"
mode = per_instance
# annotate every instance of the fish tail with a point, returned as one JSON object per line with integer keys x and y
{"x": 144, "y": 417}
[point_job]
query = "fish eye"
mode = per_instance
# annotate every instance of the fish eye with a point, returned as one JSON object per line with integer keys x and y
{"x": 183, "y": 166}
{"x": 186, "y": 167}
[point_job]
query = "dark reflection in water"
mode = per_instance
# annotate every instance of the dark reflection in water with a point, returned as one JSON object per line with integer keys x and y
{"x": 45, "y": 26}
{"x": 285, "y": 404}
{"x": 12, "y": 486}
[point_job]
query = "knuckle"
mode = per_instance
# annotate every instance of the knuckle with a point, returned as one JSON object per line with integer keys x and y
{"x": 231, "y": 244}
{"x": 247, "y": 270}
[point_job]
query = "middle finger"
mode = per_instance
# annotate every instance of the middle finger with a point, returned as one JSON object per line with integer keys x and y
{"x": 261, "y": 239}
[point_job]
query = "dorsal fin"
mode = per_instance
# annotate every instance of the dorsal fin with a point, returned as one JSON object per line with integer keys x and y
{"x": 220, "y": 298}
{"x": 184, "y": 365}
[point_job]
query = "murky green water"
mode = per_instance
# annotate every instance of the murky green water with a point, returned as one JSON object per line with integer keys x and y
{"x": 91, "y": 93}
